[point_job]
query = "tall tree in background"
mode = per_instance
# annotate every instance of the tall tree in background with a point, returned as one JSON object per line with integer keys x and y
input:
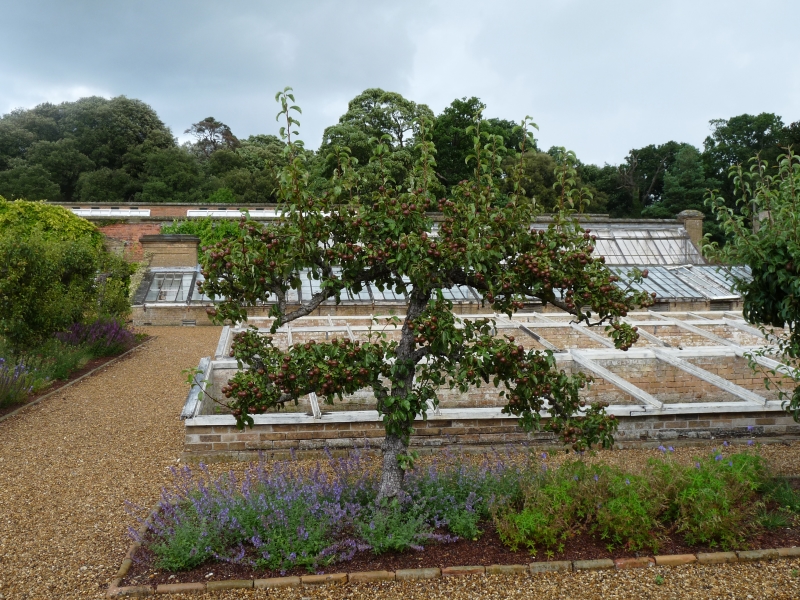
{"x": 374, "y": 115}
{"x": 685, "y": 186}
{"x": 63, "y": 161}
{"x": 453, "y": 144}
{"x": 72, "y": 140}
{"x": 736, "y": 140}
{"x": 641, "y": 176}
{"x": 212, "y": 135}
{"x": 25, "y": 181}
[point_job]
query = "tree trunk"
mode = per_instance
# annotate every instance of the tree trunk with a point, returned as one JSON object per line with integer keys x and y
{"x": 393, "y": 446}
{"x": 392, "y": 476}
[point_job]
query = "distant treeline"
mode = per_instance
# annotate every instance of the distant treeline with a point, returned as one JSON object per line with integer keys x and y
{"x": 119, "y": 150}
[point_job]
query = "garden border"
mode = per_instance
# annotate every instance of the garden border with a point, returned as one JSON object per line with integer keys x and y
{"x": 618, "y": 564}
{"x": 81, "y": 378}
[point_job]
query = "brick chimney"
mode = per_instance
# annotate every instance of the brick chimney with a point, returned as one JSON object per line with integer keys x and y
{"x": 692, "y": 220}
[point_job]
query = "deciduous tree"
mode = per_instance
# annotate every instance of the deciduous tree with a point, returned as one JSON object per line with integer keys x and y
{"x": 391, "y": 240}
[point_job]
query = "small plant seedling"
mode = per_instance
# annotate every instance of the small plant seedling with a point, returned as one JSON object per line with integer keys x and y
{"x": 659, "y": 580}
{"x": 795, "y": 572}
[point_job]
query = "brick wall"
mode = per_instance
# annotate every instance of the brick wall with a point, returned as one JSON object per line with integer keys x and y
{"x": 171, "y": 250}
{"x": 309, "y": 439}
{"x": 125, "y": 236}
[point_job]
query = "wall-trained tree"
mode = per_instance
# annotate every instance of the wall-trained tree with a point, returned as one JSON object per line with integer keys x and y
{"x": 392, "y": 240}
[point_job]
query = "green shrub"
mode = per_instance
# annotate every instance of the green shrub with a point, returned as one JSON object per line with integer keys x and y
{"x": 54, "y": 272}
{"x": 22, "y": 219}
{"x": 45, "y": 286}
{"x": 113, "y": 287}
{"x": 628, "y": 509}
{"x": 713, "y": 502}
{"x": 208, "y": 230}
{"x": 551, "y": 511}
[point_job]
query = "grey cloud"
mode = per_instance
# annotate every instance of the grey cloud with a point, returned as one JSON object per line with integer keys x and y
{"x": 599, "y": 78}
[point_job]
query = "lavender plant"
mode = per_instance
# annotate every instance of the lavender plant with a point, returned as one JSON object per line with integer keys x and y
{"x": 278, "y": 517}
{"x": 16, "y": 382}
{"x": 103, "y": 337}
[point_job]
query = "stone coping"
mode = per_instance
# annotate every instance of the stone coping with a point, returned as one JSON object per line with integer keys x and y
{"x": 619, "y": 564}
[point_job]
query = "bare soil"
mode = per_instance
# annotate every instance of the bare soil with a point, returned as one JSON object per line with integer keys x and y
{"x": 487, "y": 550}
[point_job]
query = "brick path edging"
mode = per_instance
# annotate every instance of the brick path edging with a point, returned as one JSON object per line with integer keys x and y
{"x": 713, "y": 558}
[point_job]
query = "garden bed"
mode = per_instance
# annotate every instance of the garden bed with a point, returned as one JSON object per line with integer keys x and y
{"x": 279, "y": 519}
{"x": 91, "y": 365}
{"x": 487, "y": 550}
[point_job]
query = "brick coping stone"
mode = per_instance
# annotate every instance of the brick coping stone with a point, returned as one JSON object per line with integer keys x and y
{"x": 712, "y": 558}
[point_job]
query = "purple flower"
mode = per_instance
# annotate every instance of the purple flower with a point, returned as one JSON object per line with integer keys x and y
{"x": 671, "y": 449}
{"x": 627, "y": 481}
{"x": 596, "y": 478}
{"x": 544, "y": 455}
{"x": 749, "y": 428}
{"x": 725, "y": 443}
{"x": 718, "y": 457}
{"x": 662, "y": 448}
{"x": 697, "y": 465}
{"x": 750, "y": 442}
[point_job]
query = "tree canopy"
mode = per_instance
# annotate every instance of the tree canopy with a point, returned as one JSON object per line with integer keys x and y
{"x": 118, "y": 150}
{"x": 389, "y": 239}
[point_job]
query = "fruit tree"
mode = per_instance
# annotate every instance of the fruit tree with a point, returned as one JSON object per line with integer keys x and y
{"x": 480, "y": 237}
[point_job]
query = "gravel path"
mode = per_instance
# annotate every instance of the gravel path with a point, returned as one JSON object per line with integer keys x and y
{"x": 68, "y": 464}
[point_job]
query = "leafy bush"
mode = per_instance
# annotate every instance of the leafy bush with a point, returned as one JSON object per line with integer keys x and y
{"x": 628, "y": 514}
{"x": 16, "y": 382}
{"x": 715, "y": 501}
{"x": 209, "y": 231}
{"x": 113, "y": 287}
{"x": 45, "y": 286}
{"x": 712, "y": 503}
{"x": 23, "y": 219}
{"x": 54, "y": 272}
{"x": 552, "y": 504}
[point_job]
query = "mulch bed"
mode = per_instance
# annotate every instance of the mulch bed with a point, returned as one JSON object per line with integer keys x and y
{"x": 487, "y": 550}
{"x": 59, "y": 383}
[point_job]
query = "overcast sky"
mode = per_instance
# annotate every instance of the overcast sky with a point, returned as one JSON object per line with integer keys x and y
{"x": 598, "y": 77}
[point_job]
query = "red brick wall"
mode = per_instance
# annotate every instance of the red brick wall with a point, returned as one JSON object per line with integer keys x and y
{"x": 126, "y": 236}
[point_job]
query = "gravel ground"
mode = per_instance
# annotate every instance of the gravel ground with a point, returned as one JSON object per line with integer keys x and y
{"x": 68, "y": 465}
